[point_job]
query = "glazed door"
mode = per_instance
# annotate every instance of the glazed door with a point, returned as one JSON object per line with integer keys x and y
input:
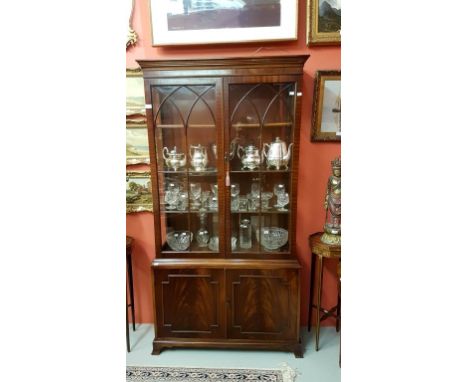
{"x": 262, "y": 304}
{"x": 261, "y": 142}
{"x": 189, "y": 303}
{"x": 186, "y": 138}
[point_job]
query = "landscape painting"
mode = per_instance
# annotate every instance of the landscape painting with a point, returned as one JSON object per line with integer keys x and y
{"x": 135, "y": 92}
{"x": 329, "y": 17}
{"x": 324, "y": 22}
{"x": 137, "y": 145}
{"x": 138, "y": 193}
{"x": 181, "y": 22}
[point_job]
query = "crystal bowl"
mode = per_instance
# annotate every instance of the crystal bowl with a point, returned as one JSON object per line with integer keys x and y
{"x": 179, "y": 240}
{"x": 273, "y": 237}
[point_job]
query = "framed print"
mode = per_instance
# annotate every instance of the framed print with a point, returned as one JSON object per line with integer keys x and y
{"x": 323, "y": 22}
{"x": 137, "y": 134}
{"x": 138, "y": 193}
{"x": 135, "y": 92}
{"x": 326, "y": 115}
{"x": 137, "y": 145}
{"x": 187, "y": 22}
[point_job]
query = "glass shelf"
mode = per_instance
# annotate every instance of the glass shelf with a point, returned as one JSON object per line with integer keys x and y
{"x": 162, "y": 210}
{"x": 261, "y": 171}
{"x": 190, "y": 126}
{"x": 257, "y": 125}
{"x": 190, "y": 172}
{"x": 261, "y": 212}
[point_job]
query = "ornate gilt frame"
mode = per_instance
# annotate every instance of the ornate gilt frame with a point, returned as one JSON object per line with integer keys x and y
{"x": 314, "y": 37}
{"x": 131, "y": 208}
{"x": 136, "y": 72}
{"x": 316, "y": 132}
{"x": 132, "y": 37}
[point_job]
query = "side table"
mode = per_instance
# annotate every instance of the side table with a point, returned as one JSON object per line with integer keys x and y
{"x": 129, "y": 247}
{"x": 320, "y": 250}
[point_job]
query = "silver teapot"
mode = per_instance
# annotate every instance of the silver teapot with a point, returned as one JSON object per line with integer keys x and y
{"x": 251, "y": 158}
{"x": 278, "y": 153}
{"x": 198, "y": 157}
{"x": 174, "y": 159}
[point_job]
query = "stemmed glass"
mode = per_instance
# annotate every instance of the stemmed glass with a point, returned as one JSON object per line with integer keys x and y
{"x": 171, "y": 196}
{"x": 195, "y": 193}
{"x": 279, "y": 189}
{"x": 282, "y": 200}
{"x": 255, "y": 189}
{"x": 204, "y": 200}
{"x": 282, "y": 197}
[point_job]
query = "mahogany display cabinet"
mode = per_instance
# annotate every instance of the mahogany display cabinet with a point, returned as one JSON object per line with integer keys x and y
{"x": 224, "y": 148}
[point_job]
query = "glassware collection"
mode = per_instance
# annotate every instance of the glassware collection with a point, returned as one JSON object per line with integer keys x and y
{"x": 275, "y": 155}
{"x": 204, "y": 201}
{"x": 256, "y": 199}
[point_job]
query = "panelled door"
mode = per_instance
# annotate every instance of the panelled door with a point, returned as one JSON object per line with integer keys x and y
{"x": 261, "y": 111}
{"x": 186, "y": 136}
{"x": 262, "y": 304}
{"x": 190, "y": 303}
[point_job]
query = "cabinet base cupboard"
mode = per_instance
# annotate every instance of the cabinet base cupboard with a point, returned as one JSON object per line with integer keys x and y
{"x": 224, "y": 148}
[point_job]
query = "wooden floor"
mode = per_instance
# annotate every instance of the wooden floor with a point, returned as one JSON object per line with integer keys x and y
{"x": 321, "y": 366}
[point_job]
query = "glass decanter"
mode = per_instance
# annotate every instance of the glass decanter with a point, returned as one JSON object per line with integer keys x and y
{"x": 202, "y": 236}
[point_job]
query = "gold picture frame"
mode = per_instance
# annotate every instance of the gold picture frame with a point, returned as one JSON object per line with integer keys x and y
{"x": 137, "y": 148}
{"x": 138, "y": 192}
{"x": 323, "y": 30}
{"x": 326, "y": 114}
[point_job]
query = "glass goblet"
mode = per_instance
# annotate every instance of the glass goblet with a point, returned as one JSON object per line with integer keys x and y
{"x": 255, "y": 189}
{"x": 279, "y": 189}
{"x": 195, "y": 193}
{"x": 282, "y": 200}
{"x": 235, "y": 190}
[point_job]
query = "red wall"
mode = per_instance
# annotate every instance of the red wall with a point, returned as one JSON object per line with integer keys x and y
{"x": 314, "y": 158}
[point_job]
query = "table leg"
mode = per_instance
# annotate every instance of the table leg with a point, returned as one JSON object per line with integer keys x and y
{"x": 128, "y": 334}
{"x": 130, "y": 280}
{"x": 319, "y": 302}
{"x": 338, "y": 313}
{"x": 311, "y": 293}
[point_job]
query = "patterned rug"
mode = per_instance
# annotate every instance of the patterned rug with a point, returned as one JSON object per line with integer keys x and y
{"x": 182, "y": 374}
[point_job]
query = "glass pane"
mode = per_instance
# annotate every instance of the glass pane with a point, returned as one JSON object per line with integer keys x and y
{"x": 261, "y": 114}
{"x": 185, "y": 138}
{"x": 261, "y": 135}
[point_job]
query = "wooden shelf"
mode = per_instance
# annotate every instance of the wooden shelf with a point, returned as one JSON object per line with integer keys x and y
{"x": 259, "y": 171}
{"x": 190, "y": 126}
{"x": 162, "y": 210}
{"x": 190, "y": 172}
{"x": 261, "y": 212}
{"x": 258, "y": 125}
